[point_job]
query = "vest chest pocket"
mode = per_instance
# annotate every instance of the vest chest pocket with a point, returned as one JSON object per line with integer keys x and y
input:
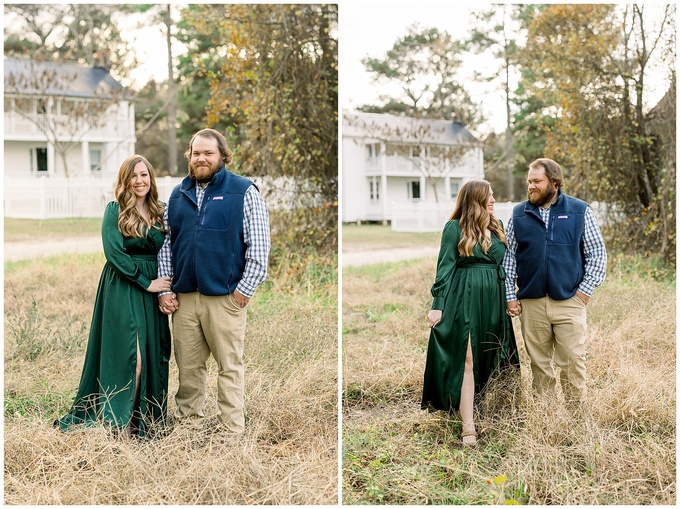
{"x": 565, "y": 229}
{"x": 217, "y": 212}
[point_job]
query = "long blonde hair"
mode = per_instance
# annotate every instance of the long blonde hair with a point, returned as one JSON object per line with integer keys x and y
{"x": 130, "y": 222}
{"x": 475, "y": 218}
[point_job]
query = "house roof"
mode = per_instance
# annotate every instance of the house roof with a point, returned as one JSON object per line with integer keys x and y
{"x": 393, "y": 128}
{"x": 30, "y": 77}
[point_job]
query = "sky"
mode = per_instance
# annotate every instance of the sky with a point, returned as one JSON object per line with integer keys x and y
{"x": 370, "y": 28}
{"x": 367, "y": 28}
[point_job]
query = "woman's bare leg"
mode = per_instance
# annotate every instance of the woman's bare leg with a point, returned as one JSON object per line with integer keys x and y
{"x": 138, "y": 379}
{"x": 467, "y": 398}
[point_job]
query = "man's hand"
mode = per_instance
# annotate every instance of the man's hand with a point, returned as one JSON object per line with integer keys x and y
{"x": 434, "y": 317}
{"x": 513, "y": 308}
{"x": 582, "y": 296}
{"x": 241, "y": 299}
{"x": 168, "y": 303}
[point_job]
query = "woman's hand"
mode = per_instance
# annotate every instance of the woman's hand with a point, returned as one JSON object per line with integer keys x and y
{"x": 162, "y": 284}
{"x": 168, "y": 303}
{"x": 434, "y": 317}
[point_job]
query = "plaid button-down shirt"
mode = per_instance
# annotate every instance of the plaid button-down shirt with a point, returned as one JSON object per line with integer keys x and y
{"x": 593, "y": 247}
{"x": 255, "y": 237}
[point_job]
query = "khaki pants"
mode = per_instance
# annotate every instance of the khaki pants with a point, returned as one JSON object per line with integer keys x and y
{"x": 556, "y": 328}
{"x": 203, "y": 325}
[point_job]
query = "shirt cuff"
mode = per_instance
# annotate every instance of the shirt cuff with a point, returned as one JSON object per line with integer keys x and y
{"x": 586, "y": 288}
{"x": 245, "y": 289}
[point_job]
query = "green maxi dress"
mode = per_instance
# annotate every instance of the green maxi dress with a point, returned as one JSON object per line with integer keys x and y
{"x": 124, "y": 313}
{"x": 470, "y": 291}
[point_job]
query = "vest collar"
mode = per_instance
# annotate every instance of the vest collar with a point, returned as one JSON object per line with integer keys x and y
{"x": 530, "y": 208}
{"x": 189, "y": 184}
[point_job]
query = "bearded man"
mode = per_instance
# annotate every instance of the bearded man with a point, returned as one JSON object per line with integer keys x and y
{"x": 216, "y": 251}
{"x": 554, "y": 260}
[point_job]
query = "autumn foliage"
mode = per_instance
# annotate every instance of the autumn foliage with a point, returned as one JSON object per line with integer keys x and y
{"x": 591, "y": 63}
{"x": 277, "y": 83}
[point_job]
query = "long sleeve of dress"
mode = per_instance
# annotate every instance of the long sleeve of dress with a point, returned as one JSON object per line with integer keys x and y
{"x": 114, "y": 248}
{"x": 446, "y": 263}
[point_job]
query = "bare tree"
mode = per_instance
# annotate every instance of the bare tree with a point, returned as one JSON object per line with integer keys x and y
{"x": 42, "y": 93}
{"x": 421, "y": 143}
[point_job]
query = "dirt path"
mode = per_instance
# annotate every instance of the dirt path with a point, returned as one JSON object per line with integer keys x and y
{"x": 15, "y": 251}
{"x": 358, "y": 258}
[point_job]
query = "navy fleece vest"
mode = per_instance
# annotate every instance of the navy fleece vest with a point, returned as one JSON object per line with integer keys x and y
{"x": 550, "y": 261}
{"x": 208, "y": 253}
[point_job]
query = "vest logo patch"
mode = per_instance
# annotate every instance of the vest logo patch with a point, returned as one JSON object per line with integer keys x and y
{"x": 218, "y": 197}
{"x": 562, "y": 217}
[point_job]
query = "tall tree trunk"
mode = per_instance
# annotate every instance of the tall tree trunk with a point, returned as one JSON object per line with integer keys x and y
{"x": 509, "y": 156}
{"x": 172, "y": 96}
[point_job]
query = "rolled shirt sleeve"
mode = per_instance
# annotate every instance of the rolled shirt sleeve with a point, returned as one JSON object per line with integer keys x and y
{"x": 165, "y": 253}
{"x": 510, "y": 262}
{"x": 257, "y": 239}
{"x": 595, "y": 255}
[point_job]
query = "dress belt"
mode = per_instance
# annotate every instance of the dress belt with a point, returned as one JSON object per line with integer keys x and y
{"x": 144, "y": 256}
{"x": 488, "y": 266}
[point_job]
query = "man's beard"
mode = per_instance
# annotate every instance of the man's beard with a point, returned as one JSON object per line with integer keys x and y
{"x": 203, "y": 173}
{"x": 541, "y": 198}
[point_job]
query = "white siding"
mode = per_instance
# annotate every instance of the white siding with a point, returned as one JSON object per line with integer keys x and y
{"x": 354, "y": 182}
{"x": 397, "y": 172}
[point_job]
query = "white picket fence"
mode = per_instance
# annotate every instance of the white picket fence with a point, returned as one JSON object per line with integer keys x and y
{"x": 431, "y": 217}
{"x": 59, "y": 197}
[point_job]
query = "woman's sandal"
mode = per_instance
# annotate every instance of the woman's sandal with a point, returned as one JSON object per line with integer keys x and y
{"x": 469, "y": 434}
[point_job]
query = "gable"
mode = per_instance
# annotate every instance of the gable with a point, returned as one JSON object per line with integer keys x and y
{"x": 400, "y": 129}
{"x": 29, "y": 77}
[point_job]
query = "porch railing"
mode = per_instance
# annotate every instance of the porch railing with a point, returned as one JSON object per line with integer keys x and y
{"x": 37, "y": 125}
{"x": 52, "y": 197}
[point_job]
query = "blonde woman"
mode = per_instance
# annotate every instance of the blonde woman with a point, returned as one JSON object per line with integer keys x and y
{"x": 124, "y": 382}
{"x": 471, "y": 334}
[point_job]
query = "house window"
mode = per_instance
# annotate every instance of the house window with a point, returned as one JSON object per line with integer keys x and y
{"x": 38, "y": 160}
{"x": 42, "y": 107}
{"x": 95, "y": 160}
{"x": 374, "y": 189}
{"x": 415, "y": 151}
{"x": 373, "y": 150}
{"x": 413, "y": 190}
{"x": 455, "y": 189}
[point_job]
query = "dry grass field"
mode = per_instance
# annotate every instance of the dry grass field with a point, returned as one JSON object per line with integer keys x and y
{"x": 369, "y": 237}
{"x": 17, "y": 230}
{"x": 531, "y": 450}
{"x": 288, "y": 454}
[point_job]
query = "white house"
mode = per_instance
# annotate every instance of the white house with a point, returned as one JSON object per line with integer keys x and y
{"x": 65, "y": 119}
{"x": 392, "y": 163}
